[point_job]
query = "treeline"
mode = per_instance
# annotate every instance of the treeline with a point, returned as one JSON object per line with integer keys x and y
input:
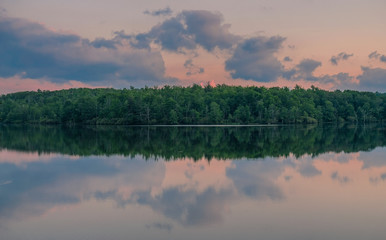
{"x": 193, "y": 142}
{"x": 192, "y": 105}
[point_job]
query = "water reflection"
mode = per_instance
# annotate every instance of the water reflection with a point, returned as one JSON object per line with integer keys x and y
{"x": 136, "y": 193}
{"x": 193, "y": 142}
{"x": 35, "y": 187}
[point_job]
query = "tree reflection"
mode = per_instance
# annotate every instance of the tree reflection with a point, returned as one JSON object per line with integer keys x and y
{"x": 193, "y": 142}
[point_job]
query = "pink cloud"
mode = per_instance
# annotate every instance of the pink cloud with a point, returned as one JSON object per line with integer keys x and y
{"x": 17, "y": 84}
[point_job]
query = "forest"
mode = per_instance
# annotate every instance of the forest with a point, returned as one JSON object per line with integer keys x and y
{"x": 172, "y": 105}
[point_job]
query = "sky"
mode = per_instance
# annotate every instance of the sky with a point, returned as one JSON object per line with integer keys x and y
{"x": 331, "y": 44}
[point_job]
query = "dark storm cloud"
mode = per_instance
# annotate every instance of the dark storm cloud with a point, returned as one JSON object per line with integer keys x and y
{"x": 254, "y": 59}
{"x": 340, "y": 57}
{"x": 373, "y": 79}
{"x": 167, "y": 11}
{"x": 32, "y": 51}
{"x": 187, "y": 30}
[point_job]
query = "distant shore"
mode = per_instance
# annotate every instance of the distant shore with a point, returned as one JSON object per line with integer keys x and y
{"x": 193, "y": 106}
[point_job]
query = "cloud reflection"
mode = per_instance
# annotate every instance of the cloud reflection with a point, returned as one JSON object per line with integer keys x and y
{"x": 33, "y": 188}
{"x": 342, "y": 179}
{"x": 256, "y": 179}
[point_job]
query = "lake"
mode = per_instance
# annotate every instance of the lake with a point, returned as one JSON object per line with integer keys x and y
{"x": 250, "y": 182}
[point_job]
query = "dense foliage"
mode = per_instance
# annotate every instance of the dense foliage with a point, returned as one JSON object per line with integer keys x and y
{"x": 192, "y": 105}
{"x": 193, "y": 142}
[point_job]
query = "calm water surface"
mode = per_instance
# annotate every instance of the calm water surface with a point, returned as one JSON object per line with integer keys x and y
{"x": 292, "y": 182}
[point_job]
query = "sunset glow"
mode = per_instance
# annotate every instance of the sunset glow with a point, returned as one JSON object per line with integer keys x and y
{"x": 66, "y": 44}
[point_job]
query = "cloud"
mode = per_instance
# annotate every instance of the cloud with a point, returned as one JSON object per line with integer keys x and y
{"x": 161, "y": 226}
{"x": 35, "y": 187}
{"x": 139, "y": 41}
{"x": 342, "y": 179}
{"x": 373, "y": 79}
{"x": 208, "y": 29}
{"x": 30, "y": 50}
{"x": 288, "y": 178}
{"x": 376, "y": 55}
{"x": 289, "y": 74}
{"x": 188, "y": 207}
{"x": 160, "y": 12}
{"x": 257, "y": 179}
{"x": 3, "y": 11}
{"x": 308, "y": 66}
{"x": 305, "y": 71}
{"x": 340, "y": 57}
{"x": 203, "y": 207}
{"x": 308, "y": 170}
{"x": 187, "y": 30}
{"x": 171, "y": 35}
{"x": 383, "y": 176}
{"x": 375, "y": 180}
{"x": 340, "y": 80}
{"x": 373, "y": 159}
{"x": 254, "y": 59}
{"x": 106, "y": 43}
{"x": 192, "y": 68}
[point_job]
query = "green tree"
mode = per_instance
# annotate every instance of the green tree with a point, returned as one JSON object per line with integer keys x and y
{"x": 215, "y": 114}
